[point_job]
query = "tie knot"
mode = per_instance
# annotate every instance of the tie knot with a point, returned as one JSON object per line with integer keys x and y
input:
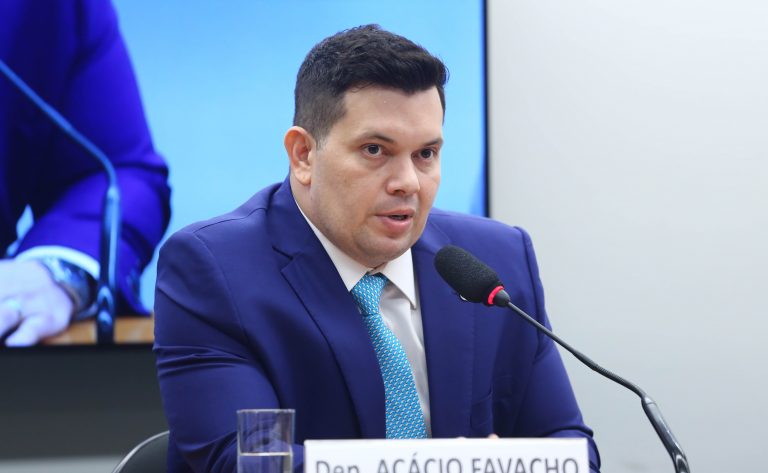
{"x": 367, "y": 293}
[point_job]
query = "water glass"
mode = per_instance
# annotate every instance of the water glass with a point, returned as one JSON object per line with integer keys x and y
{"x": 264, "y": 439}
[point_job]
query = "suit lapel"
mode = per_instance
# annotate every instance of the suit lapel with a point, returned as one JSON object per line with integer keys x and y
{"x": 316, "y": 282}
{"x": 448, "y": 340}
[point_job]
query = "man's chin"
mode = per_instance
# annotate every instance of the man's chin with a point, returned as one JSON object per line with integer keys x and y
{"x": 376, "y": 255}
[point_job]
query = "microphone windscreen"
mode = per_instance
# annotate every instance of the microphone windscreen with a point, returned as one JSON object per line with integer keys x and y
{"x": 467, "y": 275}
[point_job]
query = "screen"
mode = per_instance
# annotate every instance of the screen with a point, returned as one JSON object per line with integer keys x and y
{"x": 216, "y": 81}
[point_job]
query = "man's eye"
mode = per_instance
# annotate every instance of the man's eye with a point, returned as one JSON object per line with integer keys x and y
{"x": 427, "y": 153}
{"x": 373, "y": 149}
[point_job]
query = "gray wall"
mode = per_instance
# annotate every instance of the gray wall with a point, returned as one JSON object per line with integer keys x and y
{"x": 75, "y": 409}
{"x": 631, "y": 140}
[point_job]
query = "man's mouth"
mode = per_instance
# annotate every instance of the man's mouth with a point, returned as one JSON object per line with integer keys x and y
{"x": 398, "y": 217}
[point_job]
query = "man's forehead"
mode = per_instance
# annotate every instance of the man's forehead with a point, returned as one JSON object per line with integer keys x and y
{"x": 387, "y": 113}
{"x": 370, "y": 90}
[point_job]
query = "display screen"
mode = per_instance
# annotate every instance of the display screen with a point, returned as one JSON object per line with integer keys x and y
{"x": 216, "y": 81}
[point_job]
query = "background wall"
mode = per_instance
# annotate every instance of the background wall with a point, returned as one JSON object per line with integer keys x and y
{"x": 631, "y": 140}
{"x": 75, "y": 409}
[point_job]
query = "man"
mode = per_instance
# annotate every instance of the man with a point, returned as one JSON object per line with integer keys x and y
{"x": 72, "y": 54}
{"x": 270, "y": 306}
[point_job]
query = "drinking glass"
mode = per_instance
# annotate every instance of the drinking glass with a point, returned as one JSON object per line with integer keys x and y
{"x": 264, "y": 439}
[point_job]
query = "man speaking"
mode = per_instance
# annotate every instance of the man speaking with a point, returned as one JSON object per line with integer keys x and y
{"x": 320, "y": 293}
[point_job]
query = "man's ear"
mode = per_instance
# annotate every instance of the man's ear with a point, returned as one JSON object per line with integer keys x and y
{"x": 300, "y": 146}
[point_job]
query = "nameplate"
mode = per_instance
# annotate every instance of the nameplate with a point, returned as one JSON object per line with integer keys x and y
{"x": 447, "y": 456}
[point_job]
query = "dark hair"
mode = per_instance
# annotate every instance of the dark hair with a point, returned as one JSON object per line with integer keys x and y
{"x": 356, "y": 58}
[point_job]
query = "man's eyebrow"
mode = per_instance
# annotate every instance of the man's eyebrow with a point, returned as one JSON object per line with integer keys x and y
{"x": 376, "y": 136}
{"x": 387, "y": 139}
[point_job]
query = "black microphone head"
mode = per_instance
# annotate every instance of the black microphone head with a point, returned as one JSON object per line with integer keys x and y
{"x": 467, "y": 275}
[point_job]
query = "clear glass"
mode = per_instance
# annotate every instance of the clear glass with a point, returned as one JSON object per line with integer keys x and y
{"x": 264, "y": 439}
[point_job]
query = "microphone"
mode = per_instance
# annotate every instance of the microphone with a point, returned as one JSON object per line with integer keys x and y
{"x": 110, "y": 223}
{"x": 474, "y": 281}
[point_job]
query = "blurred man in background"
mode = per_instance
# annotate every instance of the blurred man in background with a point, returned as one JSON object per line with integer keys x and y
{"x": 72, "y": 54}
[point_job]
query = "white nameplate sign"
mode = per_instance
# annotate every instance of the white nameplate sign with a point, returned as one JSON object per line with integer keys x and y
{"x": 447, "y": 456}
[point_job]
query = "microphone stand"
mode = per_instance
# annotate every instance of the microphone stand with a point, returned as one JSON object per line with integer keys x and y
{"x": 110, "y": 228}
{"x": 652, "y": 411}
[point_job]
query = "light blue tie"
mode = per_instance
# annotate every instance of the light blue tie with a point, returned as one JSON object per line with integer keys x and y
{"x": 405, "y": 420}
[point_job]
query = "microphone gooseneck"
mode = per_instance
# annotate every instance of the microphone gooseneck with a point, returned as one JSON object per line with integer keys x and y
{"x": 474, "y": 281}
{"x": 110, "y": 225}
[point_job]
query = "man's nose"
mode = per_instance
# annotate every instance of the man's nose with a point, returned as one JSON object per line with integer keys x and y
{"x": 404, "y": 177}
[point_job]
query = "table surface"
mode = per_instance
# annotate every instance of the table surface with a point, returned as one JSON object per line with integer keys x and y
{"x": 128, "y": 329}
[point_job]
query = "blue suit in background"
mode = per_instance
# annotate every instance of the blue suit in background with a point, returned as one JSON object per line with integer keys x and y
{"x": 72, "y": 54}
{"x": 251, "y": 313}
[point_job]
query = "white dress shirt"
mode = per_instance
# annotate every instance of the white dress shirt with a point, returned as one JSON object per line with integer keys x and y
{"x": 399, "y": 307}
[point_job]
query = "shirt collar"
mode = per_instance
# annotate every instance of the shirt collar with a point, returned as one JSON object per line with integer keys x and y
{"x": 399, "y": 271}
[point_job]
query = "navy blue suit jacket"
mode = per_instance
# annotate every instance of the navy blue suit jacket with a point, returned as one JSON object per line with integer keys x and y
{"x": 251, "y": 313}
